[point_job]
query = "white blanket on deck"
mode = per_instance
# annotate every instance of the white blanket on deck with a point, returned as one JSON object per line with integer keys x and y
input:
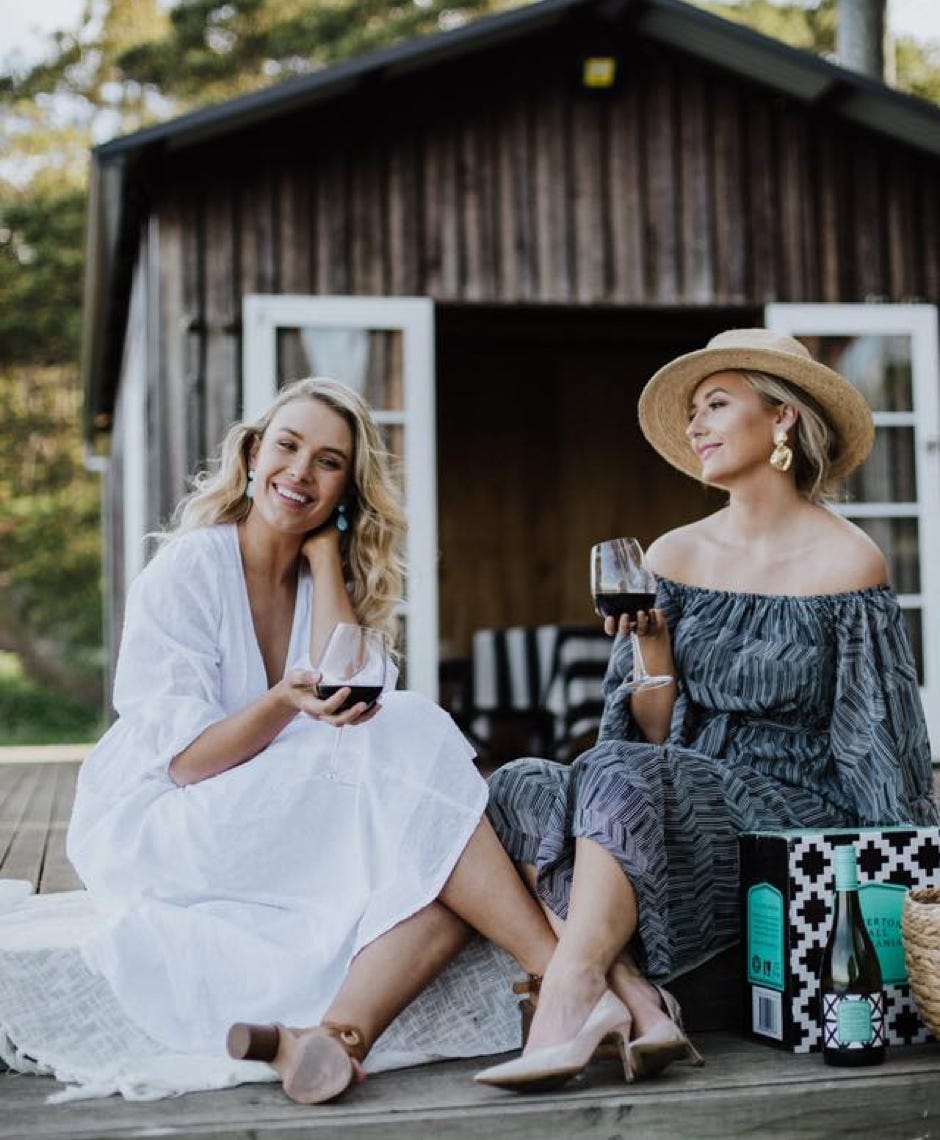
{"x": 60, "y": 1018}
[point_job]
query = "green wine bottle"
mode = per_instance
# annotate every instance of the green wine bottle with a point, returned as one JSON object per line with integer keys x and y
{"x": 852, "y": 998}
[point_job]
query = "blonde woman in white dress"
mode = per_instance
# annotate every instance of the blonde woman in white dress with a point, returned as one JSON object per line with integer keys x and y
{"x": 249, "y": 872}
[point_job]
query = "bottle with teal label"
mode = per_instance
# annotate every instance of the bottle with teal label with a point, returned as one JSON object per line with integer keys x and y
{"x": 853, "y": 1001}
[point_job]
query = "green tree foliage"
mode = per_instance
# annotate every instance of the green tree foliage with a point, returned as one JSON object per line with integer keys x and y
{"x": 808, "y": 27}
{"x": 50, "y": 548}
{"x": 33, "y": 714}
{"x": 41, "y": 247}
{"x": 83, "y": 62}
{"x": 50, "y": 551}
{"x": 50, "y": 556}
{"x": 52, "y": 113}
{"x": 918, "y": 68}
{"x": 218, "y": 48}
{"x": 50, "y": 608}
{"x": 811, "y": 26}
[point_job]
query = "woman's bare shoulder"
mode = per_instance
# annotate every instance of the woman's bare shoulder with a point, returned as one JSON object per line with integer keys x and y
{"x": 671, "y": 555}
{"x": 849, "y": 558}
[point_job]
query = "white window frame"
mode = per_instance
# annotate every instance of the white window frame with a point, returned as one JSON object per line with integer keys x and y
{"x": 134, "y": 430}
{"x": 413, "y": 317}
{"x": 919, "y": 322}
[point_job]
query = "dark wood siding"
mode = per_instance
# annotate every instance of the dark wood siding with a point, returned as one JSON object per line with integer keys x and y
{"x": 683, "y": 188}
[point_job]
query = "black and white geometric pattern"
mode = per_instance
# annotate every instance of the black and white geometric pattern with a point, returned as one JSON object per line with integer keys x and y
{"x": 830, "y": 1021}
{"x": 906, "y": 856}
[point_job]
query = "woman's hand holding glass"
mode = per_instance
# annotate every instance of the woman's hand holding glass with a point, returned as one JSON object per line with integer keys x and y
{"x": 301, "y": 689}
{"x": 649, "y": 624}
{"x": 623, "y": 588}
{"x": 348, "y": 681}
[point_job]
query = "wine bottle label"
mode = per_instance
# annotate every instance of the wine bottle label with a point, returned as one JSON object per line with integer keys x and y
{"x": 881, "y": 908}
{"x": 853, "y": 1021}
{"x": 765, "y": 930}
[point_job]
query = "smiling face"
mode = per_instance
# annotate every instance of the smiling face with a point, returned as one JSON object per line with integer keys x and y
{"x": 303, "y": 466}
{"x": 731, "y": 429}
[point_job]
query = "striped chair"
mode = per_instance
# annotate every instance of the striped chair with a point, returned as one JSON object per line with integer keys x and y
{"x": 545, "y": 683}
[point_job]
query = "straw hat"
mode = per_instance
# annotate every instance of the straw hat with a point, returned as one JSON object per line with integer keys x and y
{"x": 664, "y": 402}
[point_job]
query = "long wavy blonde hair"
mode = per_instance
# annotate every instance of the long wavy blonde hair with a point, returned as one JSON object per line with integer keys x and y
{"x": 373, "y": 546}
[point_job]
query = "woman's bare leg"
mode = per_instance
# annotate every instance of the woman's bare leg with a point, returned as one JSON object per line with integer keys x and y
{"x": 602, "y": 918}
{"x": 485, "y": 892}
{"x": 636, "y": 993}
{"x": 389, "y": 973}
{"x": 529, "y": 877}
{"x": 384, "y": 977}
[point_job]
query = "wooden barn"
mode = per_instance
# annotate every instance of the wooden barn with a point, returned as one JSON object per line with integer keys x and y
{"x": 498, "y": 233}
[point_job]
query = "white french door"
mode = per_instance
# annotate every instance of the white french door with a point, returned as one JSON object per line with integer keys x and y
{"x": 383, "y": 348}
{"x": 889, "y": 352}
{"x": 133, "y": 417}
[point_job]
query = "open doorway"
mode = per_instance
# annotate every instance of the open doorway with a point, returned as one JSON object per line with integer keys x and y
{"x": 540, "y": 454}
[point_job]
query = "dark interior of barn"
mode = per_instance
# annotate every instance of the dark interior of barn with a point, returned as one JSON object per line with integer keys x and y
{"x": 540, "y": 454}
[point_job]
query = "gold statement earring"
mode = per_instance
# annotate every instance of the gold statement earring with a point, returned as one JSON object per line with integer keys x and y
{"x": 782, "y": 456}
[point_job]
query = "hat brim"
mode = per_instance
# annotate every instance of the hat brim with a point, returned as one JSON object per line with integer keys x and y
{"x": 664, "y": 402}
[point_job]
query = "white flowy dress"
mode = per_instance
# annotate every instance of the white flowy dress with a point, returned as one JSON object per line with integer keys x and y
{"x": 246, "y": 896}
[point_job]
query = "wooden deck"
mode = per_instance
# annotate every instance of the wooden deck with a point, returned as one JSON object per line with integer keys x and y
{"x": 744, "y": 1090}
{"x": 35, "y": 803}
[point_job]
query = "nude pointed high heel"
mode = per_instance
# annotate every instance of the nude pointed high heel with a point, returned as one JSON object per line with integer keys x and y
{"x": 316, "y": 1065}
{"x": 665, "y": 1043}
{"x": 552, "y": 1066}
{"x": 529, "y": 991}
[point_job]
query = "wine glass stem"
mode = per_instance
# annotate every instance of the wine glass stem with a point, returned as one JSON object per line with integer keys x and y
{"x": 639, "y": 665}
{"x": 333, "y": 768}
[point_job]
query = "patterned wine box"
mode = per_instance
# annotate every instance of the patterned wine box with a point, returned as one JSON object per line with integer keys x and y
{"x": 787, "y": 887}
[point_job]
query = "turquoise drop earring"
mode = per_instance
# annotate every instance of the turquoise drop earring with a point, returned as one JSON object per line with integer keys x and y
{"x": 342, "y": 523}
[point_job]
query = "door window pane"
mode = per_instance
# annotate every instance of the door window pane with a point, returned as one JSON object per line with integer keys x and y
{"x": 393, "y": 436}
{"x": 898, "y": 540}
{"x": 878, "y": 365}
{"x": 888, "y": 474}
{"x": 368, "y": 360}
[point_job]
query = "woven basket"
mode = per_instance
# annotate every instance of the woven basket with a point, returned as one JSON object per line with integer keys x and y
{"x": 920, "y": 932}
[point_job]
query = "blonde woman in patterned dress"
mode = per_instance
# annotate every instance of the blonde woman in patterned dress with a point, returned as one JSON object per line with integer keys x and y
{"x": 795, "y": 704}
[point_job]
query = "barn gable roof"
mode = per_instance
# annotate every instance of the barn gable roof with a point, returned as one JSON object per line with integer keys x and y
{"x": 116, "y": 207}
{"x": 733, "y": 47}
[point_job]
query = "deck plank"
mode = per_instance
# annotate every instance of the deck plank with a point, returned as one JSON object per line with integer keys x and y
{"x": 26, "y": 849}
{"x": 745, "y": 1089}
{"x": 58, "y": 874}
{"x": 12, "y": 777}
{"x": 14, "y": 808}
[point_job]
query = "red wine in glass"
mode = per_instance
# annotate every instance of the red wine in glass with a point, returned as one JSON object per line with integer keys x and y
{"x": 622, "y": 583}
{"x": 355, "y": 659}
{"x": 616, "y": 603}
{"x": 368, "y": 694}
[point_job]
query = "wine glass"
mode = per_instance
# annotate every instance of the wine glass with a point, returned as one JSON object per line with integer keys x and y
{"x": 622, "y": 583}
{"x": 355, "y": 657}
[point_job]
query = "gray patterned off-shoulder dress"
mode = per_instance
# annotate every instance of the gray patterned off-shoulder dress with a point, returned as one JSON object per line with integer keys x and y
{"x": 790, "y": 712}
